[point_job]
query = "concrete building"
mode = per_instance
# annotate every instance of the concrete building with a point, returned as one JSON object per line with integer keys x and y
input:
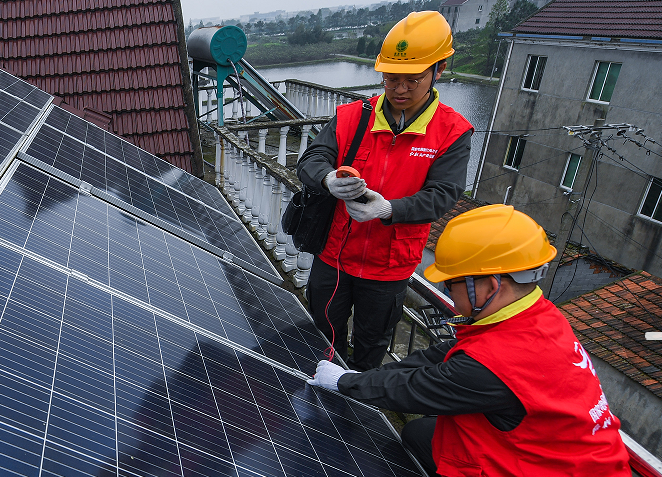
{"x": 463, "y": 15}
{"x": 570, "y": 64}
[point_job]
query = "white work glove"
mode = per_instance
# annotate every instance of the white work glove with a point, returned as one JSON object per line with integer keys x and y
{"x": 376, "y": 207}
{"x": 328, "y": 374}
{"x": 344, "y": 188}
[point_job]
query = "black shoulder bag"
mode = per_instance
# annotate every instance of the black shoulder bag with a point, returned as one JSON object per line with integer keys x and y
{"x": 309, "y": 214}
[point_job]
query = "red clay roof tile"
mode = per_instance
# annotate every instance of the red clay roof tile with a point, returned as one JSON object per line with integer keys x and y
{"x": 641, "y": 19}
{"x": 116, "y": 56}
{"x": 611, "y": 322}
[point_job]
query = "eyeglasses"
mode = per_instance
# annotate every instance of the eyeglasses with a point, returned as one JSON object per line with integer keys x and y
{"x": 449, "y": 283}
{"x": 410, "y": 84}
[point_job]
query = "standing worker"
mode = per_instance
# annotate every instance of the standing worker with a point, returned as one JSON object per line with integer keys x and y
{"x": 515, "y": 393}
{"x": 413, "y": 165}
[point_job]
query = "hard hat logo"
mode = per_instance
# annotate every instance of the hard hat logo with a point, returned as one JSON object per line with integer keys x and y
{"x": 401, "y": 46}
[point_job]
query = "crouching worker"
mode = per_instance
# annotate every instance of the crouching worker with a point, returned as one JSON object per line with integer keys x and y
{"x": 515, "y": 393}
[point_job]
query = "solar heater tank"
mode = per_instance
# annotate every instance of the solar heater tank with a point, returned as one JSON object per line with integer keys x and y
{"x": 219, "y": 45}
{"x": 219, "y": 48}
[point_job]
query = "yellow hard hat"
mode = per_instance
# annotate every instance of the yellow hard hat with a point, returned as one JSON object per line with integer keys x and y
{"x": 492, "y": 240}
{"x": 415, "y": 43}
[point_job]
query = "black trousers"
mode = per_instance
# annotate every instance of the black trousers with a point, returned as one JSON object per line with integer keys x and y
{"x": 377, "y": 309}
{"x": 417, "y": 439}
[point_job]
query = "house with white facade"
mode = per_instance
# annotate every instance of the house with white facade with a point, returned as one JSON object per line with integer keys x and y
{"x": 572, "y": 66}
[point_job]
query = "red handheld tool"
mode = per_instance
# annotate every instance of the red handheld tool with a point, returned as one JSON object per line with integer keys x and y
{"x": 348, "y": 171}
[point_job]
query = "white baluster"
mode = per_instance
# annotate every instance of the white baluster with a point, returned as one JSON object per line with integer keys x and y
{"x": 305, "y": 129}
{"x": 236, "y": 179}
{"x": 219, "y": 159}
{"x": 250, "y": 184}
{"x": 248, "y": 111}
{"x": 304, "y": 264}
{"x": 263, "y": 220}
{"x": 282, "y": 146}
{"x": 325, "y": 104}
{"x": 235, "y": 106}
{"x": 316, "y": 95}
{"x": 257, "y": 199}
{"x": 334, "y": 104}
{"x": 262, "y": 140}
{"x": 228, "y": 185}
{"x": 208, "y": 105}
{"x": 274, "y": 215}
{"x": 291, "y": 253}
{"x": 243, "y": 184}
{"x": 281, "y": 237}
{"x": 288, "y": 92}
{"x": 309, "y": 99}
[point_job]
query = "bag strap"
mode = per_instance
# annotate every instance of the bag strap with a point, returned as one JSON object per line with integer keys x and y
{"x": 366, "y": 109}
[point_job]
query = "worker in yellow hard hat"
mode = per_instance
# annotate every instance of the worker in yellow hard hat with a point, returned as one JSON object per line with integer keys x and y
{"x": 412, "y": 161}
{"x": 515, "y": 393}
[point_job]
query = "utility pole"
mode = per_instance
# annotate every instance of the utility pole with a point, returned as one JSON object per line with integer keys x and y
{"x": 575, "y": 201}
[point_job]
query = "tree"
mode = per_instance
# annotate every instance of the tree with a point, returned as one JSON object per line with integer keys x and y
{"x": 360, "y": 46}
{"x": 522, "y": 9}
{"x": 489, "y": 37}
{"x": 370, "y": 48}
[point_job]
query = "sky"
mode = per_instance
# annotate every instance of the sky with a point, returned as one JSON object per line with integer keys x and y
{"x": 227, "y": 9}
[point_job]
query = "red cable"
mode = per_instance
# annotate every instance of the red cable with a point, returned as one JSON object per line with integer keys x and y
{"x": 330, "y": 351}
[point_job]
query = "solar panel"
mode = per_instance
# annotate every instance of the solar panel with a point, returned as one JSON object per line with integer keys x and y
{"x": 20, "y": 105}
{"x": 82, "y": 161}
{"x": 130, "y": 347}
{"x": 59, "y": 223}
{"x": 94, "y": 385}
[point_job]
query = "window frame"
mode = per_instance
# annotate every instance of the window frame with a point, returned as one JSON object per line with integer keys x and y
{"x": 658, "y": 202}
{"x": 534, "y": 74}
{"x": 565, "y": 171}
{"x": 477, "y": 21}
{"x": 518, "y": 152}
{"x": 594, "y": 76}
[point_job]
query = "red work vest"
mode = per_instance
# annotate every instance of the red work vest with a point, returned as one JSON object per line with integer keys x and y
{"x": 568, "y": 429}
{"x": 396, "y": 167}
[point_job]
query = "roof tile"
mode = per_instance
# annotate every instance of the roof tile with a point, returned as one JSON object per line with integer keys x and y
{"x": 641, "y": 19}
{"x": 115, "y": 56}
{"x": 611, "y": 323}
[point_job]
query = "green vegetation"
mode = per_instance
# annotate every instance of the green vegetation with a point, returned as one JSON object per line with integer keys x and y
{"x": 319, "y": 36}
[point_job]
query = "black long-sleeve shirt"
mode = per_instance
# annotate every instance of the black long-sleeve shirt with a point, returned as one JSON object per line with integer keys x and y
{"x": 423, "y": 383}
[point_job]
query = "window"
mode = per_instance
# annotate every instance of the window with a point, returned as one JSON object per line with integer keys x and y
{"x": 534, "y": 70}
{"x": 480, "y": 8}
{"x": 651, "y": 206}
{"x": 514, "y": 152}
{"x": 477, "y": 21}
{"x": 571, "y": 168}
{"x": 604, "y": 81}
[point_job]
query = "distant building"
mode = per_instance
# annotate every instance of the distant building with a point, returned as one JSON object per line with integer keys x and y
{"x": 571, "y": 63}
{"x": 463, "y": 15}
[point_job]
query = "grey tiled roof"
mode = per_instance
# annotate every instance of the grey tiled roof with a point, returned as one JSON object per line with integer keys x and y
{"x": 604, "y": 18}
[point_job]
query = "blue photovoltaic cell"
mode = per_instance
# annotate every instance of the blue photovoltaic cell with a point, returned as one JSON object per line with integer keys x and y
{"x": 67, "y": 153}
{"x": 55, "y": 221}
{"x": 94, "y": 385}
{"x": 20, "y": 102}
